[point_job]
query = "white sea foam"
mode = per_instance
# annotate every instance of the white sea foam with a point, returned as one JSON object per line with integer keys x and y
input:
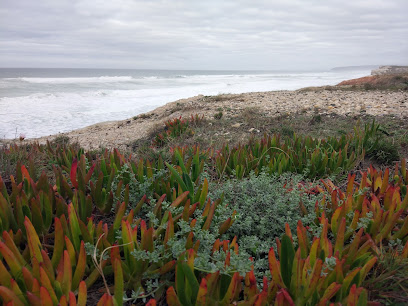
{"x": 38, "y": 106}
{"x": 101, "y": 79}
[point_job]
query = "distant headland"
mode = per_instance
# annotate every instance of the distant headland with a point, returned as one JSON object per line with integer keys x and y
{"x": 353, "y": 68}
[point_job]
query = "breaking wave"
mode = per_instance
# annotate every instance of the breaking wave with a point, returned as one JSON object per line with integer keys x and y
{"x": 40, "y": 106}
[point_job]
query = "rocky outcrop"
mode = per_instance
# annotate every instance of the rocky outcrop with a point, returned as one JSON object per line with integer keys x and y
{"x": 382, "y": 70}
{"x": 382, "y": 82}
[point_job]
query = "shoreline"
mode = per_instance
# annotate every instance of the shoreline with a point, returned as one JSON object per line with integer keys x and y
{"x": 308, "y": 101}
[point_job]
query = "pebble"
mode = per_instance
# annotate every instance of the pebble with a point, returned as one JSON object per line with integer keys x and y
{"x": 274, "y": 103}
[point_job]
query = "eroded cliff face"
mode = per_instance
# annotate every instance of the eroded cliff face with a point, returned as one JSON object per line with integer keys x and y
{"x": 382, "y": 70}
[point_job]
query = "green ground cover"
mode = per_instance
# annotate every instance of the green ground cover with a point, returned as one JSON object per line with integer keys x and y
{"x": 292, "y": 214}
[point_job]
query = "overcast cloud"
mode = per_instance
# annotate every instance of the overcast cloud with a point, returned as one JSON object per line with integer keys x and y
{"x": 211, "y": 34}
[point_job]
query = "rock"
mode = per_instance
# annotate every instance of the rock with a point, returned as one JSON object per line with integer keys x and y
{"x": 236, "y": 125}
{"x": 390, "y": 70}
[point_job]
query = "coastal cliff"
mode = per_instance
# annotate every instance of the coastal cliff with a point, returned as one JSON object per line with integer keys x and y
{"x": 383, "y": 70}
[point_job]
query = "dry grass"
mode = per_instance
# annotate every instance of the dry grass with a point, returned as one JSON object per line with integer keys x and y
{"x": 387, "y": 283}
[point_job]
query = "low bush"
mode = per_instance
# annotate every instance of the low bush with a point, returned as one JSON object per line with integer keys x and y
{"x": 383, "y": 152}
{"x": 177, "y": 127}
{"x": 173, "y": 129}
{"x": 218, "y": 115}
{"x": 263, "y": 205}
{"x": 312, "y": 157}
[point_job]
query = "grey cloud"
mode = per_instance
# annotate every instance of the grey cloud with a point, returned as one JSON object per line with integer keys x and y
{"x": 197, "y": 34}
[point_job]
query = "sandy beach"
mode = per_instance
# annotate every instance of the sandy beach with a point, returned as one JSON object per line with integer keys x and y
{"x": 274, "y": 103}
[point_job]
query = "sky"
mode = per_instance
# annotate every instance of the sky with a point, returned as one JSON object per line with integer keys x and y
{"x": 210, "y": 34}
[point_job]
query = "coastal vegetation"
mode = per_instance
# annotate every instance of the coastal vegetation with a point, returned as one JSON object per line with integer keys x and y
{"x": 283, "y": 218}
{"x": 390, "y": 82}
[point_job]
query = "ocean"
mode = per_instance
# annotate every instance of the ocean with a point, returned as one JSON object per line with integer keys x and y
{"x": 41, "y": 102}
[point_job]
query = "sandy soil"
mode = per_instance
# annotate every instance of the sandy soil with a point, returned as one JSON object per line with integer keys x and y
{"x": 275, "y": 103}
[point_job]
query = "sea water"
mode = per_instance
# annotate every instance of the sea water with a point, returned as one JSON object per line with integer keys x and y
{"x": 41, "y": 102}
